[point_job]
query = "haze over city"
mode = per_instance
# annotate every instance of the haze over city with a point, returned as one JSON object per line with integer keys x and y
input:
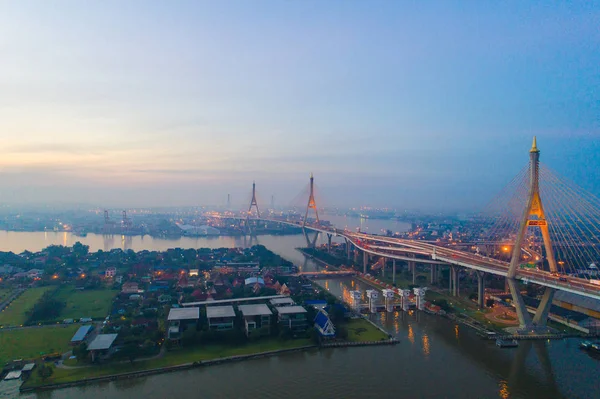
{"x": 142, "y": 103}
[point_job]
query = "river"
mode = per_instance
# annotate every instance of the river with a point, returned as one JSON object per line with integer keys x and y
{"x": 435, "y": 357}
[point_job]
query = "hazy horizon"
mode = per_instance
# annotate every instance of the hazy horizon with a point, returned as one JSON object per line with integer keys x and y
{"x": 424, "y": 106}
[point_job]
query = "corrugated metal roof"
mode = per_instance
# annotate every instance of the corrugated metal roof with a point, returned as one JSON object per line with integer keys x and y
{"x": 102, "y": 341}
{"x": 81, "y": 333}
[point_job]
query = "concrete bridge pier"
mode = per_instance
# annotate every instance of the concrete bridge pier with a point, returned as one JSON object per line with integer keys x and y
{"x": 383, "y": 261}
{"x": 480, "y": 289}
{"x": 541, "y": 314}
{"x": 393, "y": 271}
{"x": 412, "y": 266}
{"x": 365, "y": 261}
{"x": 356, "y": 254}
{"x": 348, "y": 249}
{"x": 433, "y": 277}
{"x": 329, "y": 242}
{"x": 454, "y": 281}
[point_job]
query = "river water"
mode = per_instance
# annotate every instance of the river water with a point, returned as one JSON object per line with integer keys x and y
{"x": 435, "y": 357}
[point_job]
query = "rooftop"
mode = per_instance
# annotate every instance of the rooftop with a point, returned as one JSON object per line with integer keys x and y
{"x": 259, "y": 309}
{"x": 184, "y": 314}
{"x": 290, "y": 309}
{"x": 260, "y": 298}
{"x": 81, "y": 333}
{"x": 282, "y": 301}
{"x": 102, "y": 341}
{"x": 219, "y": 311}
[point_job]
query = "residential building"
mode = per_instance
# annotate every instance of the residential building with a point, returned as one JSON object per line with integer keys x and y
{"x": 257, "y": 319}
{"x": 181, "y": 319}
{"x": 220, "y": 318}
{"x": 130, "y": 288}
{"x": 292, "y": 317}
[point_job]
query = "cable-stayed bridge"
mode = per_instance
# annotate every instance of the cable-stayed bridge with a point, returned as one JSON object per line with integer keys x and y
{"x": 552, "y": 226}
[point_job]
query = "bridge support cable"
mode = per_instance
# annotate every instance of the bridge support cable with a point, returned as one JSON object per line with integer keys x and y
{"x": 577, "y": 218}
{"x": 504, "y": 210}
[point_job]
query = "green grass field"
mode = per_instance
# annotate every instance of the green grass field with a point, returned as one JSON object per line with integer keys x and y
{"x": 30, "y": 343}
{"x": 87, "y": 303}
{"x": 361, "y": 330}
{"x": 15, "y": 313}
{"x": 171, "y": 358}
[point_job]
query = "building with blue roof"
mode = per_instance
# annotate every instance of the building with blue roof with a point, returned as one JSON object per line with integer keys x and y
{"x": 81, "y": 334}
{"x": 324, "y": 325}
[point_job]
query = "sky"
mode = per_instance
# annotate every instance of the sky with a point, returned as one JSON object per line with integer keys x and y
{"x": 404, "y": 104}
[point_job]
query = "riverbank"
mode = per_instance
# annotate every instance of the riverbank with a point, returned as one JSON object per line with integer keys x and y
{"x": 28, "y": 387}
{"x": 196, "y": 357}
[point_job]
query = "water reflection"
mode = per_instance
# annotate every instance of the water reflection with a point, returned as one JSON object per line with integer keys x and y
{"x": 456, "y": 330}
{"x": 411, "y": 334}
{"x": 503, "y": 391}
{"x": 425, "y": 341}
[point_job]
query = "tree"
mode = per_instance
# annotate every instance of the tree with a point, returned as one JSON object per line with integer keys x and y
{"x": 45, "y": 371}
{"x": 130, "y": 351}
{"x": 341, "y": 332}
{"x": 80, "y": 250}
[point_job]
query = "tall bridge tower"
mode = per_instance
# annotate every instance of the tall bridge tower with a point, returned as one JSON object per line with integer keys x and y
{"x": 312, "y": 204}
{"x": 533, "y": 216}
{"x": 253, "y": 203}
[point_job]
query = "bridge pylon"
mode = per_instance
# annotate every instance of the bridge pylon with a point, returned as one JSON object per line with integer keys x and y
{"x": 312, "y": 204}
{"x": 253, "y": 203}
{"x": 533, "y": 216}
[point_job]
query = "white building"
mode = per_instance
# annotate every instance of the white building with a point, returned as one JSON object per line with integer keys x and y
{"x": 204, "y": 230}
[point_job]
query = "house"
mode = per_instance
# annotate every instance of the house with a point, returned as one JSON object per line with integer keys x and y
{"x": 130, "y": 288}
{"x": 158, "y": 285}
{"x": 292, "y": 317}
{"x": 35, "y": 273}
{"x": 110, "y": 272}
{"x": 220, "y": 318}
{"x": 284, "y": 290}
{"x": 257, "y": 319}
{"x": 181, "y": 319}
{"x": 100, "y": 346}
{"x": 324, "y": 325}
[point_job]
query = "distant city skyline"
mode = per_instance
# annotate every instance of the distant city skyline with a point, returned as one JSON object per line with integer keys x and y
{"x": 404, "y": 105}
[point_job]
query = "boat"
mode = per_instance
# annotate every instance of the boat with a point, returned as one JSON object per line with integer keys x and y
{"x": 585, "y": 345}
{"x": 504, "y": 343}
{"x": 590, "y": 346}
